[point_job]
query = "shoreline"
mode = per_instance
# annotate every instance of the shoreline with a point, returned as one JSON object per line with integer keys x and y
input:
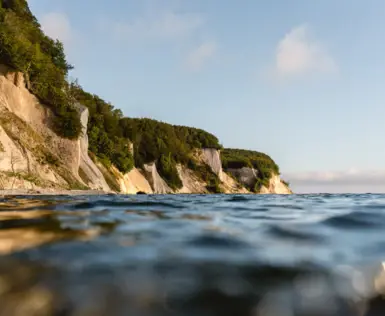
{"x": 29, "y": 192}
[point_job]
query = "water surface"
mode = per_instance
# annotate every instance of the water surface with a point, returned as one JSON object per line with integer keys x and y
{"x": 193, "y": 255}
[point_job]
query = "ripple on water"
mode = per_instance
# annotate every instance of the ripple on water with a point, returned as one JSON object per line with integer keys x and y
{"x": 356, "y": 220}
{"x": 295, "y": 234}
{"x": 191, "y": 255}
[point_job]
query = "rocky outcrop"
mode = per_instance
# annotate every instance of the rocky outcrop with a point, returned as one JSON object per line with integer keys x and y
{"x": 88, "y": 171}
{"x": 32, "y": 155}
{"x": 276, "y": 186}
{"x": 246, "y": 176}
{"x": 133, "y": 182}
{"x": 191, "y": 183}
{"x": 17, "y": 99}
{"x": 158, "y": 185}
{"x": 231, "y": 186}
{"x": 236, "y": 181}
{"x": 212, "y": 158}
{"x": 249, "y": 176}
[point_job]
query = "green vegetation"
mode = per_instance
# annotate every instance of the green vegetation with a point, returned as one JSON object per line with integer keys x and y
{"x": 105, "y": 134}
{"x": 110, "y": 135}
{"x": 165, "y": 144}
{"x": 153, "y": 139}
{"x": 51, "y": 159}
{"x": 167, "y": 168}
{"x": 205, "y": 173}
{"x": 239, "y": 158}
{"x": 23, "y": 176}
{"x": 24, "y": 47}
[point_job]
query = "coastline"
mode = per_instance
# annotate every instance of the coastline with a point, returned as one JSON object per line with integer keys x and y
{"x": 29, "y": 192}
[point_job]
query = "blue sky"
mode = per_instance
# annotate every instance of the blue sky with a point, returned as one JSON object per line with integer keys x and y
{"x": 300, "y": 80}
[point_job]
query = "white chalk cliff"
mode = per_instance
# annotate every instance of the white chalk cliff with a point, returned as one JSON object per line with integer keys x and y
{"x": 33, "y": 157}
{"x": 246, "y": 176}
{"x": 88, "y": 171}
{"x": 276, "y": 186}
{"x": 212, "y": 158}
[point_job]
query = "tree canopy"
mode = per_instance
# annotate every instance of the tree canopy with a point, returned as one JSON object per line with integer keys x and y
{"x": 25, "y": 48}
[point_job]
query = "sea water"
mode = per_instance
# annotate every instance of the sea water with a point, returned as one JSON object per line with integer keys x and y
{"x": 203, "y": 255}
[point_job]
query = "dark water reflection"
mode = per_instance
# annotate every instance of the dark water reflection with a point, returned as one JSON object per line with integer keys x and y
{"x": 193, "y": 255}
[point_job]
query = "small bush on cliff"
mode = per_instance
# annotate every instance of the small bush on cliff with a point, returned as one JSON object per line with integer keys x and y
{"x": 259, "y": 184}
{"x": 167, "y": 168}
{"x": 213, "y": 186}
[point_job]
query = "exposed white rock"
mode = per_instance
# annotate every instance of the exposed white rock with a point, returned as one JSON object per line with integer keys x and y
{"x": 133, "y": 182}
{"x": 11, "y": 156}
{"x": 212, "y": 158}
{"x": 88, "y": 171}
{"x": 159, "y": 186}
{"x": 17, "y": 99}
{"x": 191, "y": 183}
{"x": 276, "y": 186}
{"x": 246, "y": 176}
{"x": 230, "y": 186}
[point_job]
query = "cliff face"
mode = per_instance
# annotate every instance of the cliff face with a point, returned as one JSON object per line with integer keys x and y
{"x": 191, "y": 183}
{"x": 88, "y": 171}
{"x": 133, "y": 182}
{"x": 276, "y": 186}
{"x": 33, "y": 157}
{"x": 249, "y": 176}
{"x": 158, "y": 185}
{"x": 212, "y": 158}
{"x": 245, "y": 176}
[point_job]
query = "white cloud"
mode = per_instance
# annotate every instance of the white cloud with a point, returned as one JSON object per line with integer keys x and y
{"x": 57, "y": 26}
{"x": 298, "y": 53}
{"x": 157, "y": 26}
{"x": 165, "y": 25}
{"x": 197, "y": 58}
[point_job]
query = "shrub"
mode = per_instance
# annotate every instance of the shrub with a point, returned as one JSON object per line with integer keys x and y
{"x": 168, "y": 171}
{"x": 213, "y": 186}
